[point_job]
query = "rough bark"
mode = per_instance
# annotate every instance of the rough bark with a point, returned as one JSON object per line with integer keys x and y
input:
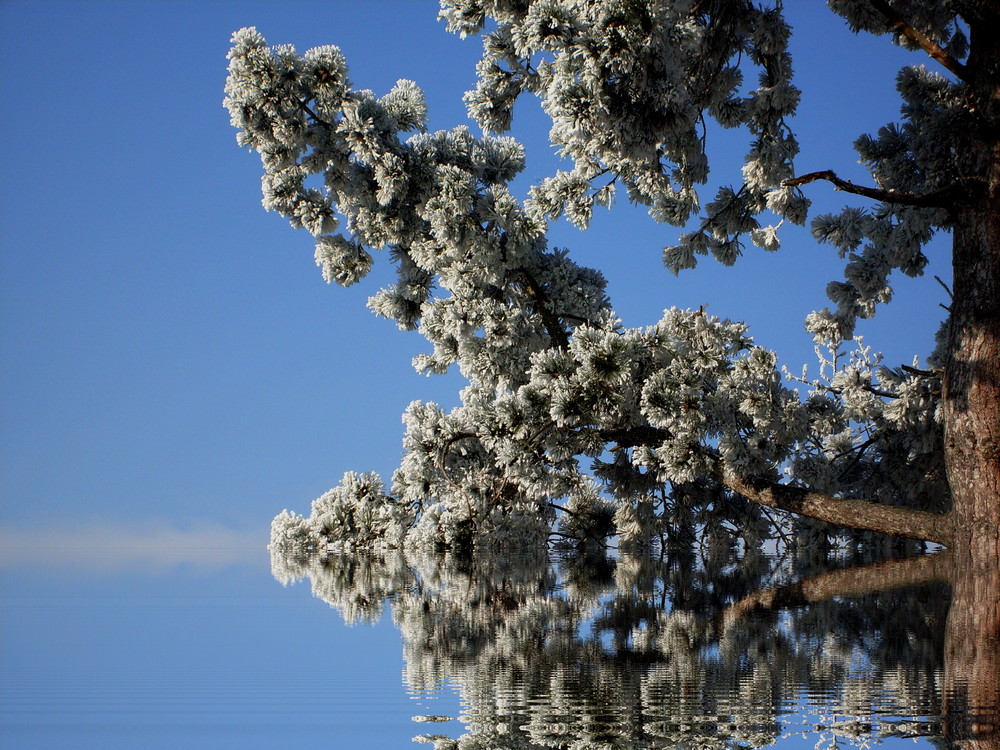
{"x": 971, "y": 392}
{"x": 856, "y": 514}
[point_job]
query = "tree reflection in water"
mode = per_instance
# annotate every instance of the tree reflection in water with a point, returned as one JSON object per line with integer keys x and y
{"x": 689, "y": 650}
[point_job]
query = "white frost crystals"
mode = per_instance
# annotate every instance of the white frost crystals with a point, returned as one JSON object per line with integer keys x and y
{"x": 572, "y": 423}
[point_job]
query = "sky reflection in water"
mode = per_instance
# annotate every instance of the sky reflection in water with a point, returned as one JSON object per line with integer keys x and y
{"x": 695, "y": 650}
{"x": 168, "y": 637}
{"x": 165, "y": 637}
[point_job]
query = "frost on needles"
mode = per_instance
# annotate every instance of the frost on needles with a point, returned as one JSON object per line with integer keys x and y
{"x": 572, "y": 426}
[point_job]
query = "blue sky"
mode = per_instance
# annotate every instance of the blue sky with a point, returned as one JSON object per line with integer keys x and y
{"x": 169, "y": 351}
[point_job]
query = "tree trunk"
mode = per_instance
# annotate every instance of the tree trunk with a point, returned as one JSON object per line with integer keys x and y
{"x": 971, "y": 401}
{"x": 971, "y": 394}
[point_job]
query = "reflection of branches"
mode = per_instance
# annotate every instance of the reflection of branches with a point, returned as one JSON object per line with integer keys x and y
{"x": 636, "y": 652}
{"x": 847, "y": 582}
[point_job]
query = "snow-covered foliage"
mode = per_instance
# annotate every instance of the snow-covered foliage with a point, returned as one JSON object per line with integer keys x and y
{"x": 628, "y": 86}
{"x": 571, "y": 423}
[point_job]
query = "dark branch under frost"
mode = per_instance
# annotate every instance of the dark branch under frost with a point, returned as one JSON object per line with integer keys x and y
{"x": 944, "y": 198}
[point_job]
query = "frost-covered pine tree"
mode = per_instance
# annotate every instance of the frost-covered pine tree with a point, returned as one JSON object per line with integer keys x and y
{"x": 575, "y": 425}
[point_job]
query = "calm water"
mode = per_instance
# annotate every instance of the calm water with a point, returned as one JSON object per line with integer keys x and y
{"x": 374, "y": 653}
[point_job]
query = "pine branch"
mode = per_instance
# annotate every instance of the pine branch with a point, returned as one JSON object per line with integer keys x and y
{"x": 442, "y": 462}
{"x": 857, "y": 457}
{"x": 840, "y": 391}
{"x": 944, "y": 286}
{"x": 304, "y": 106}
{"x": 539, "y": 432}
{"x": 646, "y": 435}
{"x": 858, "y": 514}
{"x": 925, "y": 373}
{"x": 577, "y": 319}
{"x": 943, "y": 198}
{"x": 919, "y": 38}
{"x": 549, "y": 319}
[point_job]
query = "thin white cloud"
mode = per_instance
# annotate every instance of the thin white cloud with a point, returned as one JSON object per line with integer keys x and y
{"x": 98, "y": 546}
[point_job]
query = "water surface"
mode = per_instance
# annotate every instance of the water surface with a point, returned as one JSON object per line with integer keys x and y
{"x": 363, "y": 652}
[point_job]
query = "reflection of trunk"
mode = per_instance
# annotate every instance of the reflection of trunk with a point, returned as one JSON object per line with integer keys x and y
{"x": 972, "y": 640}
{"x": 972, "y": 658}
